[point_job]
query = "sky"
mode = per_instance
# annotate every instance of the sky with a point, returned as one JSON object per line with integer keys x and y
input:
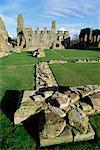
{"x": 71, "y": 15}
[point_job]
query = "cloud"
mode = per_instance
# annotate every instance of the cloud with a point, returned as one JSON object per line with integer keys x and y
{"x": 69, "y": 14}
{"x": 71, "y": 8}
{"x": 71, "y": 28}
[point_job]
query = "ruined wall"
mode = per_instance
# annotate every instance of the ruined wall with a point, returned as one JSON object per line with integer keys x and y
{"x": 29, "y": 39}
{"x": 4, "y": 44}
{"x": 90, "y": 36}
{"x": 21, "y": 41}
{"x": 3, "y": 30}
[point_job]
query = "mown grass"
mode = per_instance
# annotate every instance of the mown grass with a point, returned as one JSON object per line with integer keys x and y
{"x": 13, "y": 79}
{"x": 18, "y": 59}
{"x": 71, "y": 54}
{"x": 17, "y": 73}
{"x": 74, "y": 74}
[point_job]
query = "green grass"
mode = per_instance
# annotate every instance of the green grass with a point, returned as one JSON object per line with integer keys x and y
{"x": 71, "y": 54}
{"x": 23, "y": 58}
{"x": 17, "y": 73}
{"x": 16, "y": 78}
{"x": 74, "y": 74}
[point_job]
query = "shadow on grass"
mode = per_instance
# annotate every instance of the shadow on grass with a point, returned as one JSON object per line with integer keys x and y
{"x": 35, "y": 124}
{"x": 10, "y": 103}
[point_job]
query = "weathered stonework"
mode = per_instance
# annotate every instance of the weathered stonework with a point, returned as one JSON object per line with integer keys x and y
{"x": 5, "y": 46}
{"x": 61, "y": 116}
{"x": 39, "y": 53}
{"x": 3, "y": 30}
{"x": 90, "y": 37}
{"x": 29, "y": 39}
{"x": 86, "y": 61}
{"x": 44, "y": 76}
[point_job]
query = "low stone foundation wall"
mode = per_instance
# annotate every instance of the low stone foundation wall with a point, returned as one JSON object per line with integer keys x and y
{"x": 85, "y": 61}
{"x": 57, "y": 62}
{"x": 44, "y": 76}
{"x": 58, "y": 115}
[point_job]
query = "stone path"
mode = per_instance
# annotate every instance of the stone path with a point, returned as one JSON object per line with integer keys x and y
{"x": 44, "y": 76}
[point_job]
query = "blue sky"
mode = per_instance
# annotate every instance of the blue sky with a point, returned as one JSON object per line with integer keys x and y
{"x": 71, "y": 15}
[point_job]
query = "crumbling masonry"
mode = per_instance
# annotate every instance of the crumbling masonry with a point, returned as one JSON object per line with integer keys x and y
{"x": 89, "y": 36}
{"x": 58, "y": 115}
{"x": 27, "y": 38}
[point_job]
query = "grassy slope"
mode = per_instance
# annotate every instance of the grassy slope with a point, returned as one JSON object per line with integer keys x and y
{"x": 15, "y": 76}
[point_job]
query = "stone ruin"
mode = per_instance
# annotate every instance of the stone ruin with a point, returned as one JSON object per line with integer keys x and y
{"x": 27, "y": 39}
{"x": 7, "y": 44}
{"x": 59, "y": 115}
{"x": 90, "y": 37}
{"x": 39, "y": 53}
{"x": 45, "y": 39}
{"x": 4, "y": 44}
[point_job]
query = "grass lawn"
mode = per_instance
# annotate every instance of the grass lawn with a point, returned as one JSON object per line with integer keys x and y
{"x": 71, "y": 54}
{"x": 18, "y": 59}
{"x": 17, "y": 73}
{"x": 74, "y": 74}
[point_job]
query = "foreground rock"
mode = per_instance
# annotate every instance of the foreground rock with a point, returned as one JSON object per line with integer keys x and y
{"x": 63, "y": 116}
{"x": 58, "y": 116}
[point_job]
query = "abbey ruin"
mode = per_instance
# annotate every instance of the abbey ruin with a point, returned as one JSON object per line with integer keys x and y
{"x": 89, "y": 36}
{"x": 27, "y": 39}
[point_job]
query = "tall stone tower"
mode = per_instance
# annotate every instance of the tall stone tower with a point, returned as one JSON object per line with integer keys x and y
{"x": 20, "y": 23}
{"x": 20, "y": 32}
{"x": 53, "y": 27}
{"x": 53, "y": 39}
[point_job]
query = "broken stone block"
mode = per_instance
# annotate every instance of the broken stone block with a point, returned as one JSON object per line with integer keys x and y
{"x": 26, "y": 109}
{"x": 73, "y": 96}
{"x": 88, "y": 110}
{"x": 65, "y": 137}
{"x": 38, "y": 98}
{"x": 54, "y": 126}
{"x": 77, "y": 120}
{"x": 62, "y": 100}
{"x": 48, "y": 94}
{"x": 57, "y": 111}
{"x": 95, "y": 99}
{"x": 84, "y": 137}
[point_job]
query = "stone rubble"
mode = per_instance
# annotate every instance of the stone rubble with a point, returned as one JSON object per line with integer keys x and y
{"x": 57, "y": 62}
{"x": 86, "y": 61}
{"x": 65, "y": 112}
{"x": 39, "y": 53}
{"x": 44, "y": 77}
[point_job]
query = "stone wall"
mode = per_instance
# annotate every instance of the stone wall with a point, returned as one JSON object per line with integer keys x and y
{"x": 44, "y": 76}
{"x": 90, "y": 36}
{"x": 5, "y": 46}
{"x": 29, "y": 39}
{"x": 58, "y": 115}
